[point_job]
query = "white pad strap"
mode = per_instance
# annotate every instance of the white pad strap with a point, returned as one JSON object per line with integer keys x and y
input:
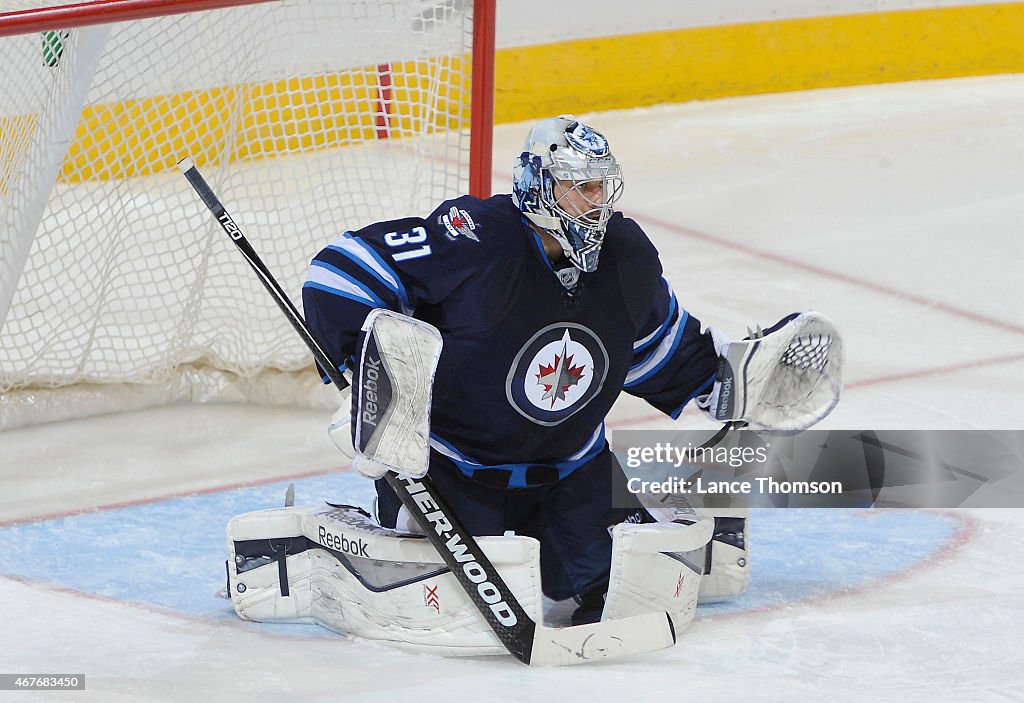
{"x": 657, "y": 568}
{"x": 340, "y": 428}
{"x": 729, "y": 569}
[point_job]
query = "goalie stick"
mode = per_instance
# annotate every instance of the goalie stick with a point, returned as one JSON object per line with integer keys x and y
{"x": 525, "y": 639}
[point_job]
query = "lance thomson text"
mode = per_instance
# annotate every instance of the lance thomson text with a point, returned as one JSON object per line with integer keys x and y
{"x": 761, "y": 485}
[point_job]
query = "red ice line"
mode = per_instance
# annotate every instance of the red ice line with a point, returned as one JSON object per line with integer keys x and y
{"x": 929, "y": 303}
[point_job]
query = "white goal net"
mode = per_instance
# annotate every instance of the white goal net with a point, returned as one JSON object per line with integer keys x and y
{"x": 308, "y": 117}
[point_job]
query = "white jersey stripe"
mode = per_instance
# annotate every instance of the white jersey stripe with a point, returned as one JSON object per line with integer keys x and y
{"x": 369, "y": 260}
{"x": 594, "y": 438}
{"x": 661, "y": 354}
{"x": 329, "y": 278}
{"x": 673, "y": 306}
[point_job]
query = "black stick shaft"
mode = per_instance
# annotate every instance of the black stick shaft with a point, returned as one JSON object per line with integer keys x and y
{"x": 469, "y": 565}
{"x": 269, "y": 282}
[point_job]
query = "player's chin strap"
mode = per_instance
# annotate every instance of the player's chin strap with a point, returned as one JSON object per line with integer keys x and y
{"x": 783, "y": 379}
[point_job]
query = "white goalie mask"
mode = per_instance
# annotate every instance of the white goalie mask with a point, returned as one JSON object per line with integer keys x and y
{"x": 566, "y": 182}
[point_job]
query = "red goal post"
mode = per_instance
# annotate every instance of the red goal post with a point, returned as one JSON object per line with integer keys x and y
{"x": 310, "y": 117}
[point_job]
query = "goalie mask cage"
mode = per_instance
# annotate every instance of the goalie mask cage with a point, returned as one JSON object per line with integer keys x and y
{"x": 309, "y": 117}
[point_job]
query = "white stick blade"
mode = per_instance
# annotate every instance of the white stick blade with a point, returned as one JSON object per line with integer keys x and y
{"x": 609, "y": 639}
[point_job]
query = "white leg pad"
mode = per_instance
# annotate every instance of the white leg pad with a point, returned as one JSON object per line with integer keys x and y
{"x": 346, "y": 573}
{"x": 729, "y": 570}
{"x": 657, "y": 568}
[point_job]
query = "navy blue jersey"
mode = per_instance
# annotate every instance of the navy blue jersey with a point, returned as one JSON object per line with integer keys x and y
{"x": 529, "y": 369}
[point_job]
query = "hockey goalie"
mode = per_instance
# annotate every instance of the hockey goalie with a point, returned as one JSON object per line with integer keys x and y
{"x": 487, "y": 343}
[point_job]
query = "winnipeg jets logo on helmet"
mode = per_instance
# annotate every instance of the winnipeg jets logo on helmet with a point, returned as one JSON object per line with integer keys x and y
{"x": 556, "y": 373}
{"x": 587, "y": 141}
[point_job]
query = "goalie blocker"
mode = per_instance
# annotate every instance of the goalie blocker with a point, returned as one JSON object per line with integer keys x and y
{"x": 336, "y": 567}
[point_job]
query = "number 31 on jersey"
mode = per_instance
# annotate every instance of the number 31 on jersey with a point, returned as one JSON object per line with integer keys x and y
{"x": 418, "y": 235}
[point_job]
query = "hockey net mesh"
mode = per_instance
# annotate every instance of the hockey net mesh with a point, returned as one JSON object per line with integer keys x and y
{"x": 308, "y": 117}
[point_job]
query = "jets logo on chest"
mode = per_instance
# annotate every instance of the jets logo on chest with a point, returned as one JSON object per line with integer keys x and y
{"x": 560, "y": 377}
{"x": 556, "y": 373}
